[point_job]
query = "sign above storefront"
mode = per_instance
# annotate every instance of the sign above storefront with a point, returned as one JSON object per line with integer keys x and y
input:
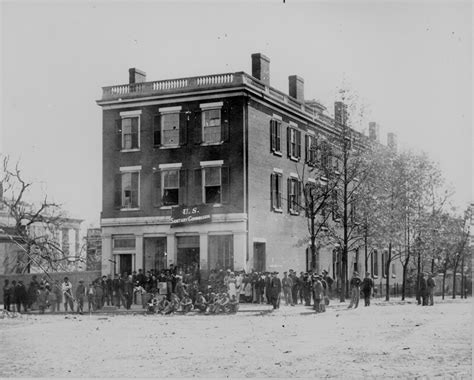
{"x": 190, "y": 215}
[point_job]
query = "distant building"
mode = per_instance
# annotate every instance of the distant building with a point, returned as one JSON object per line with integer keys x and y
{"x": 203, "y": 172}
{"x": 93, "y": 249}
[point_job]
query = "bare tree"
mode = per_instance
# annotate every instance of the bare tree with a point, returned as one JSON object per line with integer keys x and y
{"x": 34, "y": 225}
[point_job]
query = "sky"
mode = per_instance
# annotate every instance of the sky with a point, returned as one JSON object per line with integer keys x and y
{"x": 409, "y": 62}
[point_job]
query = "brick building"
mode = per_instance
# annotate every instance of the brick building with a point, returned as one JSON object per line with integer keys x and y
{"x": 203, "y": 171}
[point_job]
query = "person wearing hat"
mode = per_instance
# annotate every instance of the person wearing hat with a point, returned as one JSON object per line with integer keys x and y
{"x": 200, "y": 303}
{"x": 423, "y": 288}
{"x": 275, "y": 290}
{"x": 80, "y": 296}
{"x": 329, "y": 281}
{"x": 317, "y": 293}
{"x": 186, "y": 303}
{"x": 430, "y": 285}
{"x": 287, "y": 284}
{"x": 366, "y": 288}
{"x": 66, "y": 288}
{"x": 355, "y": 290}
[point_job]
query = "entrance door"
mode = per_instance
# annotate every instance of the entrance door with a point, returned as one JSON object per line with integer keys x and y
{"x": 125, "y": 264}
{"x": 259, "y": 257}
{"x": 188, "y": 253}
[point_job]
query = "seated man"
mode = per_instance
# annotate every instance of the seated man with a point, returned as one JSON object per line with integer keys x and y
{"x": 233, "y": 305}
{"x": 212, "y": 304}
{"x": 200, "y": 303}
{"x": 186, "y": 303}
{"x": 162, "y": 305}
{"x": 173, "y": 305}
{"x": 223, "y": 303}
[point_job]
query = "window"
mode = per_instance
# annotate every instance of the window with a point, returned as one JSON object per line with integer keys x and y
{"x": 294, "y": 143}
{"x": 375, "y": 262}
{"x": 325, "y": 155}
{"x": 130, "y": 190}
{"x": 275, "y": 136}
{"x": 211, "y": 183}
{"x": 221, "y": 252}
{"x": 384, "y": 264}
{"x": 294, "y": 195}
{"x": 211, "y": 126}
{"x": 310, "y": 150}
{"x": 170, "y": 129}
{"x": 170, "y": 192}
{"x": 124, "y": 242}
{"x": 128, "y": 131}
{"x": 275, "y": 191}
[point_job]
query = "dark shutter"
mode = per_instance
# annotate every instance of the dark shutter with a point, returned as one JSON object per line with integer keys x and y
{"x": 225, "y": 124}
{"x": 118, "y": 191}
{"x": 156, "y": 130}
{"x": 278, "y": 136}
{"x": 197, "y": 126}
{"x": 288, "y": 141}
{"x": 183, "y": 128}
{"x": 225, "y": 183}
{"x": 198, "y": 186}
{"x": 272, "y": 136}
{"x": 135, "y": 126}
{"x": 156, "y": 189}
{"x": 306, "y": 149}
{"x": 272, "y": 187}
{"x": 279, "y": 184}
{"x": 298, "y": 144}
{"x": 288, "y": 188}
{"x": 182, "y": 196}
{"x": 118, "y": 134}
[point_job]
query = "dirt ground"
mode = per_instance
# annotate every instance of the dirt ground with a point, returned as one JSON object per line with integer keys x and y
{"x": 383, "y": 341}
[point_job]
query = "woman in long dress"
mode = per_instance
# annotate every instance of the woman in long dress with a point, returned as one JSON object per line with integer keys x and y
{"x": 231, "y": 288}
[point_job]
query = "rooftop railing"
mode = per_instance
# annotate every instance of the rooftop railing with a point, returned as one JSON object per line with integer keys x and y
{"x": 228, "y": 80}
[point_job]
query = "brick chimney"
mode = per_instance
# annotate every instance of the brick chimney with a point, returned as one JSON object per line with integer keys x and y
{"x": 261, "y": 67}
{"x": 392, "y": 141}
{"x": 340, "y": 113}
{"x": 374, "y": 129}
{"x": 296, "y": 87}
{"x": 136, "y": 76}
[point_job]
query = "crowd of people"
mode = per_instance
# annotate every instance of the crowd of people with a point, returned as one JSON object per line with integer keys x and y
{"x": 176, "y": 290}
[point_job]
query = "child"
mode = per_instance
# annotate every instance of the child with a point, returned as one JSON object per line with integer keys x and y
{"x": 173, "y": 305}
{"x": 223, "y": 303}
{"x": 162, "y": 305}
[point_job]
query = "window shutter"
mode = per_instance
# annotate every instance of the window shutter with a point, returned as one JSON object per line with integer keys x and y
{"x": 135, "y": 189}
{"x": 118, "y": 134}
{"x": 278, "y": 184}
{"x": 300, "y": 191}
{"x": 198, "y": 186}
{"x": 157, "y": 188}
{"x": 156, "y": 130}
{"x": 278, "y": 136}
{"x": 288, "y": 188}
{"x": 298, "y": 144}
{"x": 225, "y": 124}
{"x": 118, "y": 191}
{"x": 272, "y": 187}
{"x": 225, "y": 183}
{"x": 182, "y": 196}
{"x": 197, "y": 127}
{"x": 306, "y": 149}
{"x": 272, "y": 136}
{"x": 135, "y": 142}
{"x": 183, "y": 128}
{"x": 288, "y": 141}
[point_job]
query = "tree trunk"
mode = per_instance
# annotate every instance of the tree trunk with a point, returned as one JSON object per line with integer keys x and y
{"x": 444, "y": 282}
{"x": 387, "y": 272}
{"x": 342, "y": 295}
{"x": 314, "y": 259}
{"x": 418, "y": 270}
{"x": 404, "y": 279}
{"x": 366, "y": 252}
{"x": 463, "y": 279}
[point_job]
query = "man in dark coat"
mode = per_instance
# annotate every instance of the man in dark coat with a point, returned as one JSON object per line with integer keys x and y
{"x": 268, "y": 288}
{"x": 430, "y": 285}
{"x": 329, "y": 280}
{"x": 7, "y": 295}
{"x": 294, "y": 287}
{"x": 423, "y": 290}
{"x": 20, "y": 295}
{"x": 355, "y": 290}
{"x": 275, "y": 290}
{"x": 116, "y": 290}
{"x": 366, "y": 287}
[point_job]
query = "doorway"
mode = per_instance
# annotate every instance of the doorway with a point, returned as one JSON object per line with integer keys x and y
{"x": 187, "y": 257}
{"x": 125, "y": 264}
{"x": 259, "y": 257}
